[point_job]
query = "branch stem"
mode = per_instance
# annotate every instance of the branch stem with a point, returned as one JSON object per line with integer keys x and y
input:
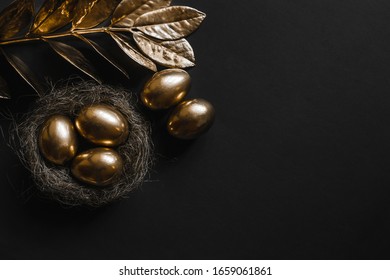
{"x": 65, "y": 34}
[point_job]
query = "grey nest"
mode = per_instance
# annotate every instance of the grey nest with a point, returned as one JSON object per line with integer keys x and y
{"x": 56, "y": 182}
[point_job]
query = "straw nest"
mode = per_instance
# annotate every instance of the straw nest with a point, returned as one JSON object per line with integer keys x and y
{"x": 56, "y": 182}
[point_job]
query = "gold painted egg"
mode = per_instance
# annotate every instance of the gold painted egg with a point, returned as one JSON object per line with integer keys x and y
{"x": 191, "y": 118}
{"x": 58, "y": 140}
{"x": 102, "y": 125}
{"x": 98, "y": 167}
{"x": 166, "y": 89}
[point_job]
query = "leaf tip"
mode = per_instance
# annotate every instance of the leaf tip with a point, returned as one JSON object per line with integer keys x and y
{"x": 6, "y": 97}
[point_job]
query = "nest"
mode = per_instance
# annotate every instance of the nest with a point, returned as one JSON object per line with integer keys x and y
{"x": 56, "y": 182}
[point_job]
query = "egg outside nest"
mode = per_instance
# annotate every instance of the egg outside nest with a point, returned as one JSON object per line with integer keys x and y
{"x": 56, "y": 182}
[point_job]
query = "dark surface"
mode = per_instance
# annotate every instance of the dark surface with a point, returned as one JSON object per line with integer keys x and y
{"x": 297, "y": 163}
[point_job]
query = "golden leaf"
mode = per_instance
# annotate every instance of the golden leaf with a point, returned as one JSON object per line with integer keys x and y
{"x": 90, "y": 13}
{"x": 129, "y": 10}
{"x": 178, "y": 54}
{"x": 15, "y": 18}
{"x": 158, "y": 31}
{"x": 53, "y": 15}
{"x": 103, "y": 53}
{"x": 4, "y": 90}
{"x": 170, "y": 23}
{"x": 74, "y": 57}
{"x": 24, "y": 71}
{"x": 133, "y": 53}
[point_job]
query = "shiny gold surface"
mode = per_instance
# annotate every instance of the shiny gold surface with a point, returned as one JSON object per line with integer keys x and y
{"x": 89, "y": 13}
{"x": 98, "y": 167}
{"x": 166, "y": 89}
{"x": 58, "y": 140}
{"x": 102, "y": 125}
{"x": 129, "y": 10}
{"x": 158, "y": 32}
{"x": 176, "y": 54}
{"x": 15, "y": 18}
{"x": 53, "y": 15}
{"x": 191, "y": 118}
{"x": 170, "y": 23}
{"x": 132, "y": 52}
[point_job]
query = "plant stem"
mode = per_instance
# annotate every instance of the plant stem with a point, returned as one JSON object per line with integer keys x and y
{"x": 65, "y": 34}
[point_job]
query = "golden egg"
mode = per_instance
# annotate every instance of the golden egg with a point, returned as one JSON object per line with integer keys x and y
{"x": 166, "y": 89}
{"x": 102, "y": 125}
{"x": 58, "y": 140}
{"x": 191, "y": 118}
{"x": 98, "y": 167}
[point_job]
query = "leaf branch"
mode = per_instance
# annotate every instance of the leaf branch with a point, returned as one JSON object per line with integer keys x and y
{"x": 65, "y": 34}
{"x": 158, "y": 32}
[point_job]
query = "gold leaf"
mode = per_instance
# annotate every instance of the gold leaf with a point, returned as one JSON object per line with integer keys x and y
{"x": 170, "y": 23}
{"x": 178, "y": 54}
{"x": 24, "y": 71}
{"x": 133, "y": 53}
{"x": 129, "y": 10}
{"x": 15, "y": 18}
{"x": 4, "y": 90}
{"x": 53, "y": 15}
{"x": 90, "y": 13}
{"x": 103, "y": 53}
{"x": 74, "y": 57}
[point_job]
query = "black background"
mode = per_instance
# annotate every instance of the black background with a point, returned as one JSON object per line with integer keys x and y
{"x": 296, "y": 165}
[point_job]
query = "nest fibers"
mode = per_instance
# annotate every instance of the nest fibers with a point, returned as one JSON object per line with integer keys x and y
{"x": 56, "y": 182}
